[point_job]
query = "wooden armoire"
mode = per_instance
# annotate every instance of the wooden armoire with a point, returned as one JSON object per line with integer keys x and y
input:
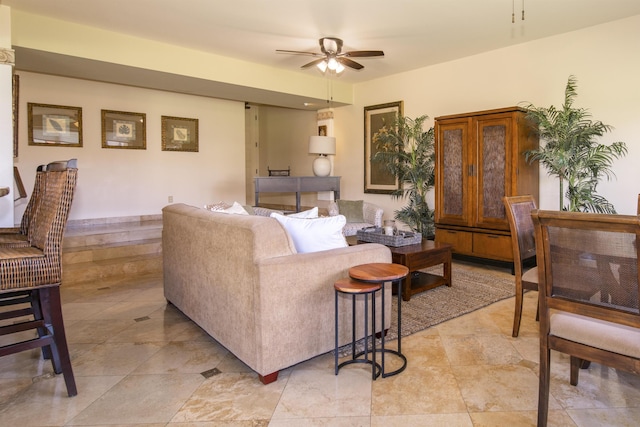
{"x": 479, "y": 160}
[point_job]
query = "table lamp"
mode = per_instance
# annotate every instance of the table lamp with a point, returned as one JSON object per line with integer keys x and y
{"x": 322, "y": 146}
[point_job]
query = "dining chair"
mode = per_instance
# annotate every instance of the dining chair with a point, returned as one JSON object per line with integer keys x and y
{"x": 589, "y": 307}
{"x": 33, "y": 275}
{"x": 518, "y": 209}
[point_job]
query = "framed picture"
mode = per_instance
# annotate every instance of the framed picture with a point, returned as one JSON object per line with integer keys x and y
{"x": 322, "y": 130}
{"x": 122, "y": 129}
{"x": 179, "y": 134}
{"x": 377, "y": 179}
{"x": 54, "y": 125}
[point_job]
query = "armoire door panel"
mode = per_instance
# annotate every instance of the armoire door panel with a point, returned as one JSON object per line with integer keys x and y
{"x": 494, "y": 177}
{"x": 454, "y": 174}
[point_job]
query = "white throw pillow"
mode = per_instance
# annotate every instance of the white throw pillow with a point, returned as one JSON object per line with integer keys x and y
{"x": 313, "y": 235}
{"x": 311, "y": 213}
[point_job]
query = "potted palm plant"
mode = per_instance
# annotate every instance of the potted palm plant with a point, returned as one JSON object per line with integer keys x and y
{"x": 408, "y": 153}
{"x": 572, "y": 154}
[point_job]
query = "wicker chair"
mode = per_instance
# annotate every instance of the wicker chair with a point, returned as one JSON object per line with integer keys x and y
{"x": 16, "y": 237}
{"x": 518, "y": 209}
{"x": 581, "y": 254}
{"x": 33, "y": 275}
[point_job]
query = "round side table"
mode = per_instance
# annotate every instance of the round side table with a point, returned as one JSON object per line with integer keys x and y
{"x": 354, "y": 288}
{"x": 380, "y": 273}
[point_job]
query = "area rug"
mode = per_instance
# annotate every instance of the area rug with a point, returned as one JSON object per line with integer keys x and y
{"x": 474, "y": 286}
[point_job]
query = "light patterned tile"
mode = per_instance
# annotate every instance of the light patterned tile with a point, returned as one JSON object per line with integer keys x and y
{"x": 448, "y": 420}
{"x": 140, "y": 399}
{"x": 501, "y": 388}
{"x": 114, "y": 358}
{"x": 322, "y": 394}
{"x": 183, "y": 357}
{"x": 620, "y": 417}
{"x": 480, "y": 350}
{"x": 410, "y": 392}
{"x": 231, "y": 397}
{"x": 54, "y": 407}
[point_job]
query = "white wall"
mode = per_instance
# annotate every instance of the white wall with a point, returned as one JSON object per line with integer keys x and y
{"x": 113, "y": 182}
{"x": 605, "y": 60}
{"x": 6, "y": 123}
{"x": 284, "y": 138}
{"x": 123, "y": 182}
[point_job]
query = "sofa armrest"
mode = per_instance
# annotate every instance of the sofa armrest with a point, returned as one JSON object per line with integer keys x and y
{"x": 372, "y": 214}
{"x": 295, "y": 303}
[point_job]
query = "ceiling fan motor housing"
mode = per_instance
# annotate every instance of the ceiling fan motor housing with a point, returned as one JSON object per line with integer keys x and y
{"x": 330, "y": 45}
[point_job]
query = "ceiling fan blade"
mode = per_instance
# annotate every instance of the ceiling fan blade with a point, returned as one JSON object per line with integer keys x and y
{"x": 314, "y": 62}
{"x": 297, "y": 52}
{"x": 349, "y": 63}
{"x": 363, "y": 53}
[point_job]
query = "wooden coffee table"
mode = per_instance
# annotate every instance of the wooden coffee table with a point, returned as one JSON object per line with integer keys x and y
{"x": 422, "y": 255}
{"x": 416, "y": 257}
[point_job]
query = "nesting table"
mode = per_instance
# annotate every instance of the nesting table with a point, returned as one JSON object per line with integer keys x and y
{"x": 381, "y": 273}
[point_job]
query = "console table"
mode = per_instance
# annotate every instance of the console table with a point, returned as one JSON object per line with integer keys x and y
{"x": 296, "y": 184}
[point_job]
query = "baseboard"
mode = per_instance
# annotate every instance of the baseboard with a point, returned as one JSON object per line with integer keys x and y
{"x": 112, "y": 220}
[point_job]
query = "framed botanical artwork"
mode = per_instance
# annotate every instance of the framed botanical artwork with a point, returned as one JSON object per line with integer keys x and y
{"x": 377, "y": 179}
{"x": 122, "y": 129}
{"x": 179, "y": 134}
{"x": 54, "y": 125}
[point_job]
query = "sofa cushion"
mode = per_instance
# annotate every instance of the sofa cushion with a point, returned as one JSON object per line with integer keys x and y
{"x": 313, "y": 235}
{"x": 260, "y": 211}
{"x": 311, "y": 213}
{"x": 351, "y": 209}
{"x": 236, "y": 208}
{"x": 217, "y": 207}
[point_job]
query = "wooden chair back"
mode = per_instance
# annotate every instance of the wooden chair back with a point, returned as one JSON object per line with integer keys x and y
{"x": 518, "y": 210}
{"x": 523, "y": 245}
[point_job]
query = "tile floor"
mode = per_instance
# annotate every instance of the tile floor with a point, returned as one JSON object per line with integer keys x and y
{"x": 139, "y": 362}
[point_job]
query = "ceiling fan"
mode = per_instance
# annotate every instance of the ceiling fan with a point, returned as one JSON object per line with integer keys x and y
{"x": 332, "y": 57}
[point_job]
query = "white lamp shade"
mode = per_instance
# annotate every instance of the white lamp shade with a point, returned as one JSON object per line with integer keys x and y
{"x": 322, "y": 145}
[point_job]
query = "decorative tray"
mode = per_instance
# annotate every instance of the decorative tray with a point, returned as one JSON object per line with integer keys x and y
{"x": 376, "y": 235}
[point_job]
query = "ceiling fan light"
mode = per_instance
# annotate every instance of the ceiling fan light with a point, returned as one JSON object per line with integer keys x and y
{"x": 333, "y": 64}
{"x": 322, "y": 66}
{"x": 339, "y": 68}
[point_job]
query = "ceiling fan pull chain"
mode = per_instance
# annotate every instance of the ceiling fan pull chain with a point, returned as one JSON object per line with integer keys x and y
{"x": 523, "y": 10}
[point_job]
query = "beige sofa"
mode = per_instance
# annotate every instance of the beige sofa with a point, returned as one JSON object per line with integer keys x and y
{"x": 240, "y": 279}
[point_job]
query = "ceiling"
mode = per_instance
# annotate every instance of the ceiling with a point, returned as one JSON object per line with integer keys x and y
{"x": 412, "y": 33}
